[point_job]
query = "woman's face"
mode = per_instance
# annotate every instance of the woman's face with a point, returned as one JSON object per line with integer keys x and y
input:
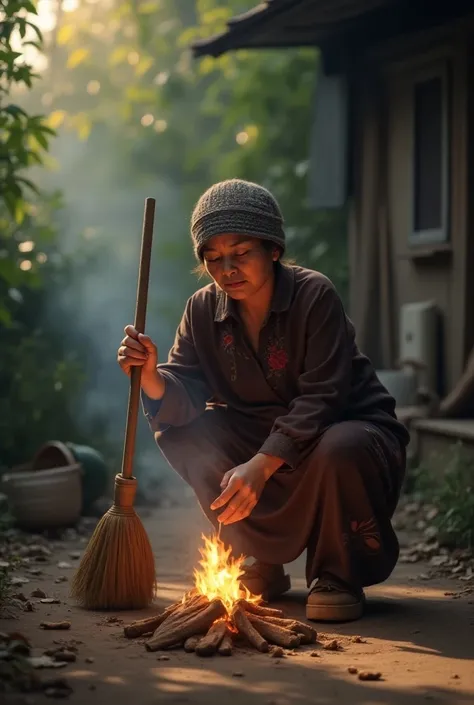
{"x": 240, "y": 265}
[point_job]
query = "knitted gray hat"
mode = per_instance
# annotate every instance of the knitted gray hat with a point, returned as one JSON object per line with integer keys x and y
{"x": 236, "y": 206}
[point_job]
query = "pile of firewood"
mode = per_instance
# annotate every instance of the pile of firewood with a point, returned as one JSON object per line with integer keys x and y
{"x": 205, "y": 627}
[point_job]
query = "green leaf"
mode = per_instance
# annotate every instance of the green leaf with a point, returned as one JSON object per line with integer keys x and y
{"x": 15, "y": 110}
{"x": 20, "y": 211}
{"x": 29, "y": 7}
{"x": 41, "y": 139}
{"x": 36, "y": 30}
{"x": 28, "y": 183}
{"x": 5, "y": 316}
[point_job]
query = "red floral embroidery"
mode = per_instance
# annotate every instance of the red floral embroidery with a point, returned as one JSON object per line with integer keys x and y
{"x": 228, "y": 340}
{"x": 367, "y": 532}
{"x": 277, "y": 358}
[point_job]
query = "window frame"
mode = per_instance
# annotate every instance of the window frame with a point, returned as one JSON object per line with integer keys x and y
{"x": 440, "y": 235}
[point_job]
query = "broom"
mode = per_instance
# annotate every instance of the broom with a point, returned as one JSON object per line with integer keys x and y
{"x": 117, "y": 570}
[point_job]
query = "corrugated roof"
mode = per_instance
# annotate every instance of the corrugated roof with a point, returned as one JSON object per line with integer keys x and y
{"x": 279, "y": 23}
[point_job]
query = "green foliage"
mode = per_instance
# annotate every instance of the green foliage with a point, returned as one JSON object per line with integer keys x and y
{"x": 39, "y": 377}
{"x": 23, "y": 138}
{"x": 450, "y": 487}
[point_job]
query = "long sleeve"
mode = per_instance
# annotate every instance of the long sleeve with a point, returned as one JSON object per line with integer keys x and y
{"x": 186, "y": 389}
{"x": 324, "y": 384}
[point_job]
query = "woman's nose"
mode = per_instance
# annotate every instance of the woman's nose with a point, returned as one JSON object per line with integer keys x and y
{"x": 228, "y": 266}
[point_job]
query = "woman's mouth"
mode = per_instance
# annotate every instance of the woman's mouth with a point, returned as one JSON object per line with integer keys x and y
{"x": 234, "y": 285}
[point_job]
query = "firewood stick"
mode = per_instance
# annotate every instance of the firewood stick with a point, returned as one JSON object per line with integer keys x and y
{"x": 180, "y": 630}
{"x": 209, "y": 643}
{"x": 226, "y": 645}
{"x": 186, "y": 609}
{"x": 273, "y": 633}
{"x": 144, "y": 626}
{"x": 260, "y": 610}
{"x": 246, "y": 629}
{"x": 191, "y": 643}
{"x": 308, "y": 634}
{"x": 150, "y": 624}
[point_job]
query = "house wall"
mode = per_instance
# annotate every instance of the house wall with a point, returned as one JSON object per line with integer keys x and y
{"x": 443, "y": 272}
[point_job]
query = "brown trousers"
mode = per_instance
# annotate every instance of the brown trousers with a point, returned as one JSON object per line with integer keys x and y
{"x": 337, "y": 504}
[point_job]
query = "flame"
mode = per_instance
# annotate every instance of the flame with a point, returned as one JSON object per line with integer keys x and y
{"x": 219, "y": 574}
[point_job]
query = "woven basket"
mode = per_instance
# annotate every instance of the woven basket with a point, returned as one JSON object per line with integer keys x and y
{"x": 47, "y": 499}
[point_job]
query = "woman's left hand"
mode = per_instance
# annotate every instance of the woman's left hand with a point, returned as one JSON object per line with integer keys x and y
{"x": 242, "y": 487}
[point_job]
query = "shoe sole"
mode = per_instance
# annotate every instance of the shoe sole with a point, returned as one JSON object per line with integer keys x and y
{"x": 335, "y": 613}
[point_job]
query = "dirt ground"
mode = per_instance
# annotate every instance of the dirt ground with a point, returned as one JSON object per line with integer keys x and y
{"x": 421, "y": 639}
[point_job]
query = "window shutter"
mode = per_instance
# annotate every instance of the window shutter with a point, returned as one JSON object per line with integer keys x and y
{"x": 328, "y": 167}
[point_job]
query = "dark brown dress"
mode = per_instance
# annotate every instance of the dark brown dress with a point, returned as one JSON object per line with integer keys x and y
{"x": 308, "y": 397}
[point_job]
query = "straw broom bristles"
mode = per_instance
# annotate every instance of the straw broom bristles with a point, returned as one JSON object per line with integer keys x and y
{"x": 117, "y": 570}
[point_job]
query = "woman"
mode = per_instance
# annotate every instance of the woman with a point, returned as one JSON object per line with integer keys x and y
{"x": 269, "y": 411}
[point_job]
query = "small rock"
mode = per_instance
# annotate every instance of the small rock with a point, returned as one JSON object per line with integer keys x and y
{"x": 63, "y": 565}
{"x": 237, "y": 674}
{"x": 35, "y": 571}
{"x": 69, "y": 644}
{"x": 38, "y": 593}
{"x": 92, "y": 686}
{"x": 113, "y": 620}
{"x": 358, "y": 640}
{"x": 56, "y": 625}
{"x": 70, "y": 535}
{"x": 370, "y": 676}
{"x": 35, "y": 551}
{"x": 277, "y": 652}
{"x": 61, "y": 579}
{"x": 17, "y": 645}
{"x": 65, "y": 655}
{"x": 50, "y": 601}
{"x": 75, "y": 555}
{"x": 46, "y": 662}
{"x": 40, "y": 559}
{"x": 455, "y": 676}
{"x": 412, "y": 508}
{"x": 432, "y": 513}
{"x": 89, "y": 659}
{"x": 332, "y": 645}
{"x": 430, "y": 533}
{"x": 4, "y": 564}
{"x": 28, "y": 606}
{"x": 57, "y": 688}
{"x": 352, "y": 669}
{"x": 20, "y": 596}
{"x": 19, "y": 580}
{"x": 314, "y": 654}
{"x": 438, "y": 561}
{"x": 163, "y": 658}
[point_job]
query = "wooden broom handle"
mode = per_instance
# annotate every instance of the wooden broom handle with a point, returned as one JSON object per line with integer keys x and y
{"x": 140, "y": 317}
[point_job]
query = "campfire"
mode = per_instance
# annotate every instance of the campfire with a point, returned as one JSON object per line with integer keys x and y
{"x": 217, "y": 613}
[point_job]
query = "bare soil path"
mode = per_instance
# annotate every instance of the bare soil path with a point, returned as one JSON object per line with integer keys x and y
{"x": 418, "y": 637}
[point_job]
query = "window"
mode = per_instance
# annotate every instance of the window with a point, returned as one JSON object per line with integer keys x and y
{"x": 430, "y": 159}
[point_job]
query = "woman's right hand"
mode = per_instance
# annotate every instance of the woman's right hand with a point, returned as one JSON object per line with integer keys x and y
{"x": 137, "y": 349}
